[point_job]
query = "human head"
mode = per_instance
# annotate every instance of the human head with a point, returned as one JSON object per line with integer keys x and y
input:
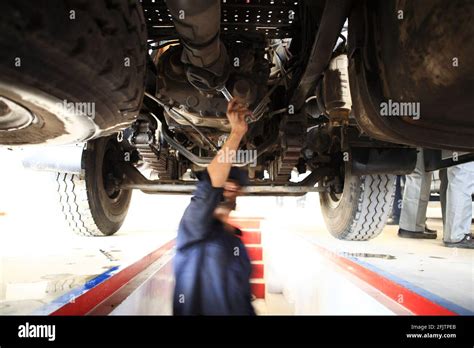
{"x": 232, "y": 189}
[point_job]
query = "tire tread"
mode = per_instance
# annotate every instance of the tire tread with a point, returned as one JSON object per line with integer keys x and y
{"x": 75, "y": 205}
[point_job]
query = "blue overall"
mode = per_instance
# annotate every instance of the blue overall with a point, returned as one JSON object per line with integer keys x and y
{"x": 212, "y": 268}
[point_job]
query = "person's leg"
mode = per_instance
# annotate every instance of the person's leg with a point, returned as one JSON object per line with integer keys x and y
{"x": 397, "y": 203}
{"x": 415, "y": 199}
{"x": 459, "y": 205}
{"x": 425, "y": 192}
{"x": 443, "y": 177}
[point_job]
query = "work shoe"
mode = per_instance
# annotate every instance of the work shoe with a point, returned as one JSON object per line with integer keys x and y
{"x": 466, "y": 243}
{"x": 393, "y": 221}
{"x": 416, "y": 235}
{"x": 427, "y": 230}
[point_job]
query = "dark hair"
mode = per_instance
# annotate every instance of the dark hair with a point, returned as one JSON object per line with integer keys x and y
{"x": 238, "y": 175}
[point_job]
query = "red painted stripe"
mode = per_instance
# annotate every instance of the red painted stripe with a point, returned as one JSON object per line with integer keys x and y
{"x": 89, "y": 300}
{"x": 257, "y": 270}
{"x": 245, "y": 223}
{"x": 258, "y": 289}
{"x": 255, "y": 253}
{"x": 117, "y": 298}
{"x": 251, "y": 237}
{"x": 412, "y": 301}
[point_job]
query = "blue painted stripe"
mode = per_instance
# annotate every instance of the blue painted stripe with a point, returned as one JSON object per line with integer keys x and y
{"x": 420, "y": 291}
{"x": 68, "y": 297}
{"x": 75, "y": 293}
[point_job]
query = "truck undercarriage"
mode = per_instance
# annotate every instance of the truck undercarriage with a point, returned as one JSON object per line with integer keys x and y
{"x": 339, "y": 90}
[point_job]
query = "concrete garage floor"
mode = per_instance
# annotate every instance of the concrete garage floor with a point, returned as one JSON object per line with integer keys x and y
{"x": 426, "y": 264}
{"x": 40, "y": 261}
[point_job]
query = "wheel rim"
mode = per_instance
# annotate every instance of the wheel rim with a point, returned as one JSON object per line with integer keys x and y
{"x": 334, "y": 198}
{"x": 110, "y": 176}
{"x": 14, "y": 116}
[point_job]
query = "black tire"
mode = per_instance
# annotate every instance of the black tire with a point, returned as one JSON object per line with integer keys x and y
{"x": 89, "y": 209}
{"x": 361, "y": 211}
{"x": 78, "y": 60}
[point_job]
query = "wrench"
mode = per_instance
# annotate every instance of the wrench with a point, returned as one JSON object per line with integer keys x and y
{"x": 225, "y": 92}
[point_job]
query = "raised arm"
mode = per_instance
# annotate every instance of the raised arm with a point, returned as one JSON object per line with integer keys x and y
{"x": 194, "y": 225}
{"x": 219, "y": 169}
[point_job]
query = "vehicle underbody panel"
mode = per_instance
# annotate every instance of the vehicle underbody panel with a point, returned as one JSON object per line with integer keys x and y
{"x": 321, "y": 93}
{"x": 413, "y": 54}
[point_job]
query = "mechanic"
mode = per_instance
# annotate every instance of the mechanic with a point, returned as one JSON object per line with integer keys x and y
{"x": 416, "y": 196}
{"x": 458, "y": 217}
{"x": 212, "y": 268}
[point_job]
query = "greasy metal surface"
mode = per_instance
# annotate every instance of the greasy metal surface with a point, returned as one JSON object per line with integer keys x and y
{"x": 334, "y": 15}
{"x": 413, "y": 60}
{"x": 204, "y": 161}
{"x": 198, "y": 26}
{"x": 273, "y": 190}
{"x": 336, "y": 91}
{"x": 186, "y": 118}
{"x": 135, "y": 180}
{"x": 333, "y": 18}
{"x": 293, "y": 128}
{"x": 437, "y": 159}
{"x": 208, "y": 109}
{"x": 383, "y": 161}
{"x": 271, "y": 18}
